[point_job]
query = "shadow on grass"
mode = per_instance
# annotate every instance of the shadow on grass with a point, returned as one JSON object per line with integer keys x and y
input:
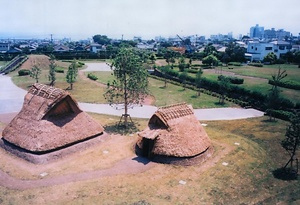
{"x": 117, "y": 128}
{"x": 162, "y": 87}
{"x": 285, "y": 174}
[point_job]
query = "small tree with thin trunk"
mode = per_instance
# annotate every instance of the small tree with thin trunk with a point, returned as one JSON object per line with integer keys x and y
{"x": 198, "y": 80}
{"x": 292, "y": 142}
{"x": 72, "y": 74}
{"x": 35, "y": 73}
{"x": 52, "y": 74}
{"x": 273, "y": 100}
{"x": 183, "y": 76}
{"x": 223, "y": 88}
{"x": 131, "y": 83}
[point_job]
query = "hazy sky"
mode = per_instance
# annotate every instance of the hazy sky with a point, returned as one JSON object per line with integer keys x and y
{"x": 80, "y": 19}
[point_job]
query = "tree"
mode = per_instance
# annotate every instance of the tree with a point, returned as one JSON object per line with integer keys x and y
{"x": 273, "y": 99}
{"x": 270, "y": 58}
{"x": 198, "y": 80}
{"x": 183, "y": 76}
{"x": 235, "y": 53}
{"x": 223, "y": 87}
{"x": 52, "y": 74}
{"x": 35, "y": 73}
{"x": 209, "y": 50}
{"x": 101, "y": 39}
{"x": 181, "y": 64}
{"x": 152, "y": 58}
{"x": 131, "y": 83}
{"x": 164, "y": 71}
{"x": 210, "y": 60}
{"x": 72, "y": 74}
{"x": 292, "y": 141}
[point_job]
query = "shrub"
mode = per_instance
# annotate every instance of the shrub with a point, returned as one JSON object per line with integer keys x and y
{"x": 233, "y": 80}
{"x": 23, "y": 72}
{"x": 256, "y": 64}
{"x": 287, "y": 84}
{"x": 59, "y": 70}
{"x": 235, "y": 63}
{"x": 92, "y": 76}
{"x": 280, "y": 114}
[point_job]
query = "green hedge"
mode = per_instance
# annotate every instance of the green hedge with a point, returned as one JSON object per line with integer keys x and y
{"x": 235, "y": 63}
{"x": 233, "y": 80}
{"x": 280, "y": 114}
{"x": 23, "y": 72}
{"x": 256, "y": 64}
{"x": 92, "y": 76}
{"x": 287, "y": 84}
{"x": 59, "y": 70}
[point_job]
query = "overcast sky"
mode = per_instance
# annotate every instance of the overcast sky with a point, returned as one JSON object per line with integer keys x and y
{"x": 81, "y": 19}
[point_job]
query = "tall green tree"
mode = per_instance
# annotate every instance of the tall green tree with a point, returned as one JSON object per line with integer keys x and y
{"x": 131, "y": 83}
{"x": 52, "y": 74}
{"x": 198, "y": 80}
{"x": 223, "y": 88}
{"x": 101, "y": 39}
{"x": 183, "y": 76}
{"x": 273, "y": 99}
{"x": 291, "y": 143}
{"x": 181, "y": 64}
{"x": 270, "y": 58}
{"x": 210, "y": 60}
{"x": 35, "y": 73}
{"x": 72, "y": 74}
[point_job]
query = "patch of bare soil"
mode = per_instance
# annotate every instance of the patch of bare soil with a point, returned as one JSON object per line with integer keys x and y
{"x": 42, "y": 61}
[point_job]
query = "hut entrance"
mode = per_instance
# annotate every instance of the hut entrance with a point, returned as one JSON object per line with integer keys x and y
{"x": 147, "y": 148}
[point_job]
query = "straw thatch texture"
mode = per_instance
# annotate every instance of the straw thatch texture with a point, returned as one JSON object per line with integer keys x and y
{"x": 49, "y": 119}
{"x": 174, "y": 131}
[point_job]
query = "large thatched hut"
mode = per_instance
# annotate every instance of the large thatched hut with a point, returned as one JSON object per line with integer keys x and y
{"x": 50, "y": 120}
{"x": 174, "y": 135}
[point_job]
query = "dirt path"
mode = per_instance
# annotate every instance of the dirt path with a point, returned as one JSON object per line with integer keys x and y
{"x": 130, "y": 165}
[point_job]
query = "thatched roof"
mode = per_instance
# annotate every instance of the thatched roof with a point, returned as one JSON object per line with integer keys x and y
{"x": 50, "y": 118}
{"x": 176, "y": 132}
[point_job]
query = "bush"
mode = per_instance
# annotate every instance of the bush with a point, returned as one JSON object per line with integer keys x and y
{"x": 287, "y": 84}
{"x": 59, "y": 70}
{"x": 235, "y": 63}
{"x": 23, "y": 72}
{"x": 92, "y": 76}
{"x": 280, "y": 114}
{"x": 256, "y": 64}
{"x": 233, "y": 80}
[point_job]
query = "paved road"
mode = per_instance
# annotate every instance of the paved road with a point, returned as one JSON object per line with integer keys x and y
{"x": 11, "y": 100}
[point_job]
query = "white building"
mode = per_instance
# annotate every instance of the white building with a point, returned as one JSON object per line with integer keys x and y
{"x": 256, "y": 51}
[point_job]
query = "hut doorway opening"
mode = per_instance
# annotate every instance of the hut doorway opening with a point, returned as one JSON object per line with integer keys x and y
{"x": 148, "y": 145}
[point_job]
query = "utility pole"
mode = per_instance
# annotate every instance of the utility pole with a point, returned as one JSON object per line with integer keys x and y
{"x": 51, "y": 38}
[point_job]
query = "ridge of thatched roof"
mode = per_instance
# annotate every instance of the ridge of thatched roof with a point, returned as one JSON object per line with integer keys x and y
{"x": 45, "y": 91}
{"x": 50, "y": 118}
{"x": 175, "y": 131}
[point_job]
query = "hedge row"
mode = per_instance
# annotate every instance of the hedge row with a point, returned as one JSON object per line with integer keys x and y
{"x": 235, "y": 63}
{"x": 280, "y": 114}
{"x": 287, "y": 84}
{"x": 59, "y": 70}
{"x": 253, "y": 98}
{"x": 233, "y": 80}
{"x": 256, "y": 64}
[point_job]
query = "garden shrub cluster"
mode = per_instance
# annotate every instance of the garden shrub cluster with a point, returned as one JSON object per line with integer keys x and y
{"x": 92, "y": 76}
{"x": 287, "y": 84}
{"x": 233, "y": 80}
{"x": 281, "y": 114}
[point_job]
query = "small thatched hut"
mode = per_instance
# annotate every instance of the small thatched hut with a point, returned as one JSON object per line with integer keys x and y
{"x": 174, "y": 135}
{"x": 49, "y": 120}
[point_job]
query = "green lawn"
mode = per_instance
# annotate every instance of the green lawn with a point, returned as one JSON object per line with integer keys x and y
{"x": 172, "y": 94}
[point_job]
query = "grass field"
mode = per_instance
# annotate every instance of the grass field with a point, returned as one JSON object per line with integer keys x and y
{"x": 172, "y": 94}
{"x": 247, "y": 179}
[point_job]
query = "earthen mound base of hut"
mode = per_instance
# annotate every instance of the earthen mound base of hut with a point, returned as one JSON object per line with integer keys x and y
{"x": 182, "y": 161}
{"x": 49, "y": 156}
